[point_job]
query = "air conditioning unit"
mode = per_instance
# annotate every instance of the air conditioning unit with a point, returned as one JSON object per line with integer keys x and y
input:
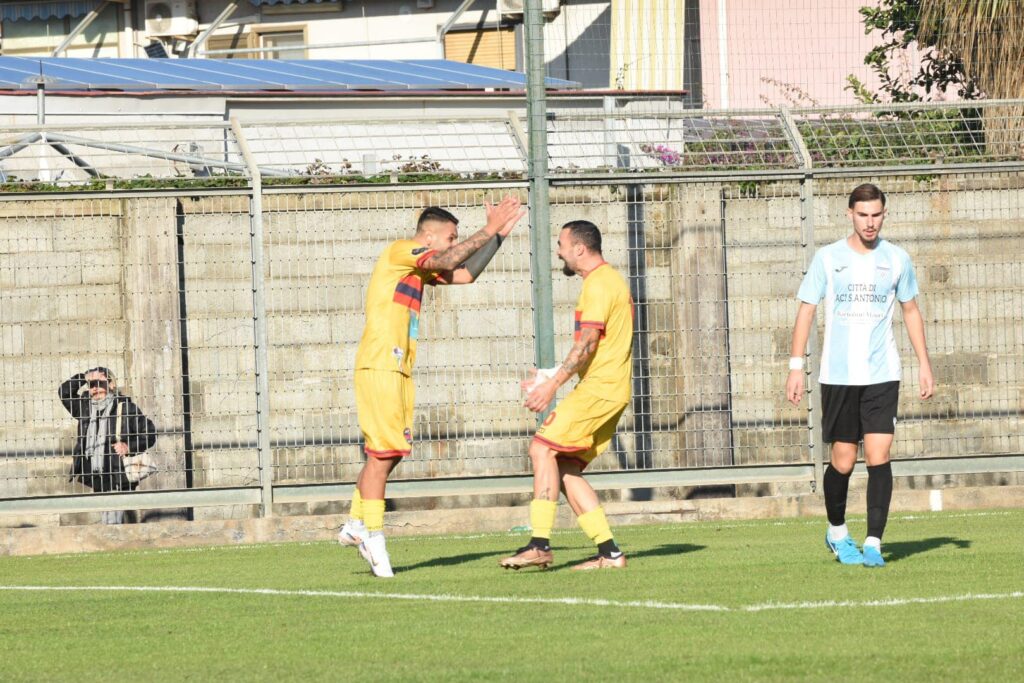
{"x": 548, "y": 7}
{"x": 171, "y": 17}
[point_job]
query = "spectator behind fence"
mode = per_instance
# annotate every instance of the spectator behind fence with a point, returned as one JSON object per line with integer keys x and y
{"x": 110, "y": 428}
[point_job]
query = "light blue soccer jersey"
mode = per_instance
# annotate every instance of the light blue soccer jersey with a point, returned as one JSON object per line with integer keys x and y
{"x": 859, "y": 293}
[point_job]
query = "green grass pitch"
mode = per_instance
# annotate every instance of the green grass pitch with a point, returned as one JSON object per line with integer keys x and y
{"x": 757, "y": 600}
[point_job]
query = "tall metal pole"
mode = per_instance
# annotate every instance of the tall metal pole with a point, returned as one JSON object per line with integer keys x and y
{"x": 815, "y": 444}
{"x": 41, "y": 96}
{"x": 259, "y": 306}
{"x": 537, "y": 170}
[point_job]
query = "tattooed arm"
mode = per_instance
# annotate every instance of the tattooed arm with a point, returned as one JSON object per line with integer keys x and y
{"x": 501, "y": 218}
{"x": 580, "y": 354}
{"x": 452, "y": 257}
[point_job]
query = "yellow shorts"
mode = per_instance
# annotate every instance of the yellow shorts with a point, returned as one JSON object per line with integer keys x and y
{"x": 581, "y": 427}
{"x": 384, "y": 402}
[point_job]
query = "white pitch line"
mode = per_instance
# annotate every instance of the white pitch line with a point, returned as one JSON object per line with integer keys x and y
{"x": 421, "y": 597}
{"x": 890, "y": 602}
{"x": 571, "y": 602}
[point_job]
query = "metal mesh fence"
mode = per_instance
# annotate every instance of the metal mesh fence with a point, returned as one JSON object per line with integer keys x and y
{"x": 160, "y": 288}
{"x": 143, "y": 288}
{"x": 475, "y": 340}
{"x": 390, "y": 150}
{"x": 704, "y": 142}
{"x": 218, "y": 346}
{"x": 963, "y": 233}
{"x": 712, "y": 278}
{"x": 60, "y": 286}
{"x": 108, "y": 157}
{"x": 666, "y": 142}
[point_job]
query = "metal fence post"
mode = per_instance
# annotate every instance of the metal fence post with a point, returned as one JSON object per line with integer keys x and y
{"x": 259, "y": 317}
{"x": 814, "y": 441}
{"x": 537, "y": 168}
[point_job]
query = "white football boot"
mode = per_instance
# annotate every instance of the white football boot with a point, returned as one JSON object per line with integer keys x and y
{"x": 377, "y": 555}
{"x": 352, "y": 534}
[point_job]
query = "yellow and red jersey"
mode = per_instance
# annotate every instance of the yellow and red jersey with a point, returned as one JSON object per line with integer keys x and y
{"x": 606, "y": 305}
{"x": 393, "y": 300}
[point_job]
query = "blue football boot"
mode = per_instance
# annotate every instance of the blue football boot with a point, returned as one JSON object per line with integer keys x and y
{"x": 845, "y": 550}
{"x": 872, "y": 557}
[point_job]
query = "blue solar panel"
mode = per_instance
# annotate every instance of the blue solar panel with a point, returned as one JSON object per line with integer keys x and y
{"x": 321, "y": 75}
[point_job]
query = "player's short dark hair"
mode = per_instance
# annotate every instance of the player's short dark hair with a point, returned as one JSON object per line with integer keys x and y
{"x": 866, "y": 193}
{"x": 585, "y": 233}
{"x": 437, "y": 214}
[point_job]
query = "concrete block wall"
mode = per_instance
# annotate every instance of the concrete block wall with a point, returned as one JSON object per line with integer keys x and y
{"x": 60, "y": 313}
{"x": 90, "y": 281}
{"x": 216, "y": 258}
{"x": 764, "y": 263}
{"x": 475, "y": 341}
{"x": 964, "y": 235}
{"x": 86, "y": 283}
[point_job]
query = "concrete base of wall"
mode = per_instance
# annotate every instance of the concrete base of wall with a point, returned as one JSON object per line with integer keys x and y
{"x": 178, "y": 534}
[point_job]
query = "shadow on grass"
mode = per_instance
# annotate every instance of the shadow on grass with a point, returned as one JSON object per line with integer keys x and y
{"x": 669, "y": 549}
{"x": 900, "y": 550}
{"x": 450, "y": 560}
{"x": 633, "y": 556}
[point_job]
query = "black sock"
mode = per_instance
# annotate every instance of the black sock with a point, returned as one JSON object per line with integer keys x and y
{"x": 608, "y": 548}
{"x": 538, "y": 542}
{"x": 879, "y": 497}
{"x": 835, "y": 486}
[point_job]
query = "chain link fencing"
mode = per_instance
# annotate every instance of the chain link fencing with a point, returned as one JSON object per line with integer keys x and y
{"x": 197, "y": 292}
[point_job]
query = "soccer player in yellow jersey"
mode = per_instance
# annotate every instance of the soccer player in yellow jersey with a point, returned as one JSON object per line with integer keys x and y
{"x": 387, "y": 352}
{"x": 581, "y": 427}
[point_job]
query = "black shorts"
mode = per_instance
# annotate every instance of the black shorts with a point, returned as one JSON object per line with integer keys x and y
{"x": 850, "y": 412}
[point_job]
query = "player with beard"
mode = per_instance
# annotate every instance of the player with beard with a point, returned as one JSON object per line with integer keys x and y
{"x": 387, "y": 352}
{"x": 582, "y": 425}
{"x": 860, "y": 278}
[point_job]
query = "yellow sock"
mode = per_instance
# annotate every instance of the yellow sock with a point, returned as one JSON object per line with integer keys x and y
{"x": 542, "y": 517}
{"x": 355, "y": 513}
{"x": 373, "y": 515}
{"x": 595, "y": 525}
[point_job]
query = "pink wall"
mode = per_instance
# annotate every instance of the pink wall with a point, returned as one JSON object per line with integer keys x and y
{"x": 812, "y": 44}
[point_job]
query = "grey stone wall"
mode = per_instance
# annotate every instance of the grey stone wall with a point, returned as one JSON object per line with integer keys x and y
{"x": 108, "y": 281}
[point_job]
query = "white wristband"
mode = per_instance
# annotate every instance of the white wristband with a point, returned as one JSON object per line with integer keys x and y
{"x": 543, "y": 375}
{"x": 796, "y": 363}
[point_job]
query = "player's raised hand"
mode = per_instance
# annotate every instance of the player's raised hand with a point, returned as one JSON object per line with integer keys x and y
{"x": 507, "y": 228}
{"x": 501, "y": 213}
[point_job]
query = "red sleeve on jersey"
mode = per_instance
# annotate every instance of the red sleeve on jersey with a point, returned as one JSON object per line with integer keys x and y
{"x": 424, "y": 257}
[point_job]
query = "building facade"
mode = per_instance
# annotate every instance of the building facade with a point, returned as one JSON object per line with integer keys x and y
{"x": 723, "y": 53}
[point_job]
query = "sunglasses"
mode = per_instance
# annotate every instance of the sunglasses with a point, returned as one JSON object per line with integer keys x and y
{"x": 99, "y": 384}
